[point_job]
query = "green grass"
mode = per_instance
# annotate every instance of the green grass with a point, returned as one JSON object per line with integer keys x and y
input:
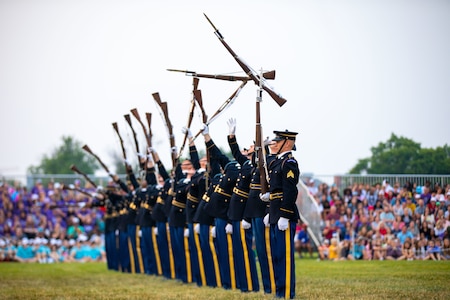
{"x": 315, "y": 280}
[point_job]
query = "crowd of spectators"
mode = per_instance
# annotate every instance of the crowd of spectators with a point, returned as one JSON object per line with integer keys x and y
{"x": 381, "y": 222}
{"x": 49, "y": 224}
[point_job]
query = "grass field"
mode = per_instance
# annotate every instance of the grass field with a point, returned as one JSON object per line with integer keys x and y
{"x": 315, "y": 280}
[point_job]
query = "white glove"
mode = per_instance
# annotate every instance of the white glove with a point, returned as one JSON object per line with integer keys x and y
{"x": 174, "y": 149}
{"x": 205, "y": 129}
{"x": 213, "y": 231}
{"x": 197, "y": 228}
{"x": 150, "y": 149}
{"x": 231, "y": 126}
{"x": 266, "y": 220}
{"x": 283, "y": 223}
{"x": 140, "y": 233}
{"x": 229, "y": 229}
{"x": 265, "y": 197}
{"x": 127, "y": 162}
{"x": 245, "y": 224}
{"x": 155, "y": 230}
{"x": 186, "y": 232}
{"x": 187, "y": 131}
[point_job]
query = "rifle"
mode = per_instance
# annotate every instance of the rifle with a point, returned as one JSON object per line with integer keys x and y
{"x": 149, "y": 122}
{"x": 88, "y": 150}
{"x": 124, "y": 153}
{"x": 191, "y": 114}
{"x": 138, "y": 118}
{"x": 259, "y": 147}
{"x": 128, "y": 119}
{"x": 165, "y": 111}
{"x": 76, "y": 170}
{"x": 199, "y": 99}
{"x": 266, "y": 75}
{"x": 225, "y": 105}
{"x": 65, "y": 187}
{"x": 257, "y": 79}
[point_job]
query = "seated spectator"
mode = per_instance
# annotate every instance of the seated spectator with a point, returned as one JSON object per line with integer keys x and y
{"x": 323, "y": 250}
{"x": 302, "y": 241}
{"x": 446, "y": 249}
{"x": 344, "y": 253}
{"x": 407, "y": 251}
{"x": 439, "y": 230}
{"x": 433, "y": 252}
{"x": 404, "y": 234}
{"x": 75, "y": 229}
{"x": 333, "y": 249}
{"x": 25, "y": 251}
{"x": 394, "y": 250}
{"x": 357, "y": 251}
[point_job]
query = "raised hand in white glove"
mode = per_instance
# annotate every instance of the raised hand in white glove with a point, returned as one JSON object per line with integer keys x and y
{"x": 150, "y": 150}
{"x": 265, "y": 197}
{"x": 205, "y": 129}
{"x": 231, "y": 126}
{"x": 155, "y": 230}
{"x": 174, "y": 149}
{"x": 197, "y": 228}
{"x": 127, "y": 162}
{"x": 246, "y": 225}
{"x": 186, "y": 232}
{"x": 213, "y": 231}
{"x": 229, "y": 229}
{"x": 283, "y": 223}
{"x": 266, "y": 220}
{"x": 187, "y": 131}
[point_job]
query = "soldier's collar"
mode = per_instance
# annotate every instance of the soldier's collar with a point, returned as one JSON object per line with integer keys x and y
{"x": 281, "y": 155}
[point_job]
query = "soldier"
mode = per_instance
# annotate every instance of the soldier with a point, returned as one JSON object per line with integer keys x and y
{"x": 177, "y": 216}
{"x": 242, "y": 235}
{"x": 283, "y": 213}
{"x": 202, "y": 186}
{"x": 217, "y": 207}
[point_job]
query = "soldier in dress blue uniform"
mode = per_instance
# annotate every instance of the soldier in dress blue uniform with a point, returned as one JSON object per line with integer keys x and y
{"x": 218, "y": 208}
{"x": 242, "y": 234}
{"x": 202, "y": 186}
{"x": 179, "y": 232}
{"x": 283, "y": 213}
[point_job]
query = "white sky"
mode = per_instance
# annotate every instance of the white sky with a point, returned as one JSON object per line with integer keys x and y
{"x": 353, "y": 72}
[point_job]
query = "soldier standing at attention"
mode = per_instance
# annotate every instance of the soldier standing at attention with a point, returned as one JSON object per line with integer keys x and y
{"x": 283, "y": 213}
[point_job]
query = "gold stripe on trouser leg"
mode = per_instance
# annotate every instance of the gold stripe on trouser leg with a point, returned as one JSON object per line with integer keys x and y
{"x": 231, "y": 261}
{"x": 118, "y": 250}
{"x": 200, "y": 258}
{"x": 287, "y": 238}
{"x": 187, "y": 254}
{"x": 214, "y": 256}
{"x": 248, "y": 274}
{"x": 138, "y": 250}
{"x": 130, "y": 250}
{"x": 156, "y": 250}
{"x": 269, "y": 258}
{"x": 169, "y": 242}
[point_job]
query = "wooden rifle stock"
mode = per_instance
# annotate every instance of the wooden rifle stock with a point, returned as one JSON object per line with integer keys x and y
{"x": 149, "y": 123}
{"x": 76, "y": 170}
{"x": 258, "y": 80}
{"x": 165, "y": 110}
{"x": 270, "y": 75}
{"x": 138, "y": 118}
{"x": 199, "y": 99}
{"x": 191, "y": 114}
{"x": 116, "y": 129}
{"x": 136, "y": 144}
{"x": 88, "y": 150}
{"x": 65, "y": 187}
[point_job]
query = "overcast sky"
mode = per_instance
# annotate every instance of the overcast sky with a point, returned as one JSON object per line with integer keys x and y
{"x": 353, "y": 73}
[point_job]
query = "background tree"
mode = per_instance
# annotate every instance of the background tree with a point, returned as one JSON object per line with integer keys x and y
{"x": 400, "y": 155}
{"x": 69, "y": 153}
